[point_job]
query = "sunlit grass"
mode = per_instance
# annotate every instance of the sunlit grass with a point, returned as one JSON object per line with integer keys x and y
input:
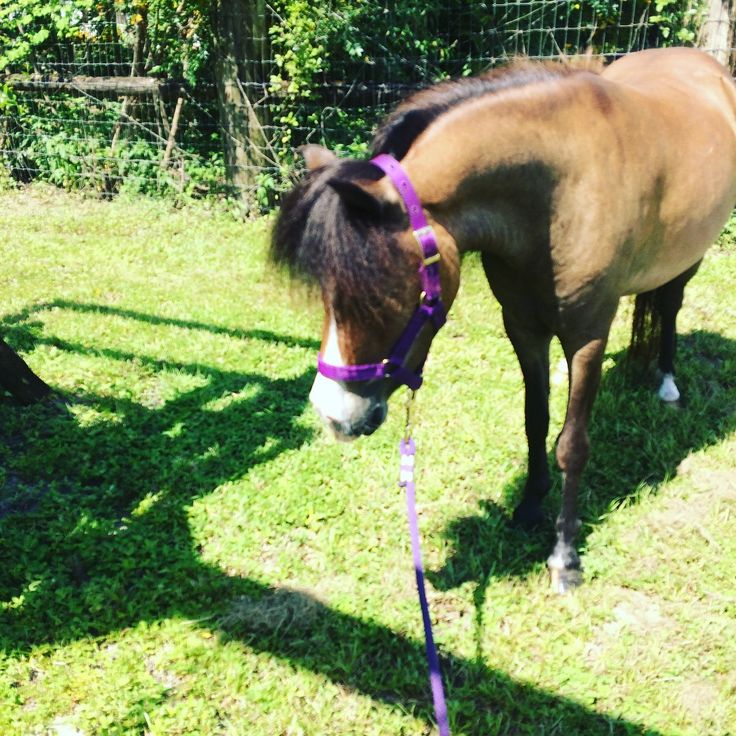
{"x": 184, "y": 552}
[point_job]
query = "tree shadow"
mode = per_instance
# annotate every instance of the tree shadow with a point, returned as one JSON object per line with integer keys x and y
{"x": 635, "y": 440}
{"x": 123, "y": 487}
{"x": 96, "y": 534}
{"x": 24, "y": 333}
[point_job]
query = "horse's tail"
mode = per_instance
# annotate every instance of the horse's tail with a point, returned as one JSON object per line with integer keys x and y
{"x": 646, "y": 328}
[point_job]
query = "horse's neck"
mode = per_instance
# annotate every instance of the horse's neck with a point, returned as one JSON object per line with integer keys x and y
{"x": 486, "y": 169}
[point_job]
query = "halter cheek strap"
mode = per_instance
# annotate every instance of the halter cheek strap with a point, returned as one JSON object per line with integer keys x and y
{"x": 430, "y": 307}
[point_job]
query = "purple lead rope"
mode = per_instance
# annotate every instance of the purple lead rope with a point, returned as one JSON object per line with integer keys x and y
{"x": 408, "y": 452}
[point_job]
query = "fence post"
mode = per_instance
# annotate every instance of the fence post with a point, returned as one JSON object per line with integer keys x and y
{"x": 136, "y": 70}
{"x": 716, "y": 31}
{"x": 241, "y": 40}
{"x": 173, "y": 128}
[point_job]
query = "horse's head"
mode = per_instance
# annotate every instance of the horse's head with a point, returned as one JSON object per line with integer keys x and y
{"x": 345, "y": 228}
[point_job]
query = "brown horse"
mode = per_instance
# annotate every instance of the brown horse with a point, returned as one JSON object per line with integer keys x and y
{"x": 577, "y": 186}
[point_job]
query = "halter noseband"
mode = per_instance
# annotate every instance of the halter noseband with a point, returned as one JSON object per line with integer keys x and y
{"x": 430, "y": 307}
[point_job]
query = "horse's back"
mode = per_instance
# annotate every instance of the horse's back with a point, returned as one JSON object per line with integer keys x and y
{"x": 686, "y": 101}
{"x": 643, "y": 68}
{"x": 678, "y": 75}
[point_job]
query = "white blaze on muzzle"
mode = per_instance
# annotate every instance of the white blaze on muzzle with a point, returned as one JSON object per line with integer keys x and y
{"x": 331, "y": 400}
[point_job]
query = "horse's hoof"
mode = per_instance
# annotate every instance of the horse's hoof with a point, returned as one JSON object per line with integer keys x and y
{"x": 668, "y": 391}
{"x": 528, "y": 516}
{"x": 563, "y": 581}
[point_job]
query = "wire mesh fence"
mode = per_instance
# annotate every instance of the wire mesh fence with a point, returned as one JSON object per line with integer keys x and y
{"x": 217, "y": 107}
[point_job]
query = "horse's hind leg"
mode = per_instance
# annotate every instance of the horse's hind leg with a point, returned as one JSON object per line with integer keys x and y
{"x": 532, "y": 350}
{"x": 668, "y": 300}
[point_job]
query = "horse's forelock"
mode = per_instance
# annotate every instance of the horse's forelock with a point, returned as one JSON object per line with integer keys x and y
{"x": 352, "y": 257}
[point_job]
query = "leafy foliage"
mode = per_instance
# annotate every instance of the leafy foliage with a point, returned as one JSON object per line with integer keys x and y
{"x": 395, "y": 47}
{"x": 33, "y": 32}
{"x": 77, "y": 141}
{"x": 335, "y": 69}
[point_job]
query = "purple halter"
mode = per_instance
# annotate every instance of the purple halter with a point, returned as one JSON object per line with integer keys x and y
{"x": 430, "y": 307}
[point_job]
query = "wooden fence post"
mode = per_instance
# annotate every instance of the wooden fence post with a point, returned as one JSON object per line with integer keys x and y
{"x": 716, "y": 31}
{"x": 173, "y": 128}
{"x": 240, "y": 50}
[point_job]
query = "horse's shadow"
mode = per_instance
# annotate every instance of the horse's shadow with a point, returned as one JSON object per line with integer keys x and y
{"x": 635, "y": 440}
{"x": 119, "y": 549}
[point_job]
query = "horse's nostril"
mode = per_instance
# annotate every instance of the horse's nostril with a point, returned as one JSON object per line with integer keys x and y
{"x": 377, "y": 415}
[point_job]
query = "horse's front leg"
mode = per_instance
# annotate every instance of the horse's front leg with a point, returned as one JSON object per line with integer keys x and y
{"x": 532, "y": 350}
{"x": 573, "y": 448}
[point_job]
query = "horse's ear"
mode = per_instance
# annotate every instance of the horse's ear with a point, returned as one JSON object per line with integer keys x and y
{"x": 357, "y": 197}
{"x": 315, "y": 157}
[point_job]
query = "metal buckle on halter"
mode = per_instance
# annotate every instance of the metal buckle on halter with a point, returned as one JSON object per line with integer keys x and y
{"x": 421, "y": 233}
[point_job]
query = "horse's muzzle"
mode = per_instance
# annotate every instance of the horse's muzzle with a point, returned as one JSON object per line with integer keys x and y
{"x": 346, "y": 431}
{"x": 345, "y": 413}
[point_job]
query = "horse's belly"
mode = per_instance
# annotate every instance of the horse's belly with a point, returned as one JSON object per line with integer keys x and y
{"x": 677, "y": 250}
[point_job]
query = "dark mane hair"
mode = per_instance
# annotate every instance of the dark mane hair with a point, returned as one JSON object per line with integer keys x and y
{"x": 418, "y": 111}
{"x": 320, "y": 239}
{"x": 353, "y": 256}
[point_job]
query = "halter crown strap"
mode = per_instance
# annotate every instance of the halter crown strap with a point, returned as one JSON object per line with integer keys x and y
{"x": 392, "y": 168}
{"x": 423, "y": 232}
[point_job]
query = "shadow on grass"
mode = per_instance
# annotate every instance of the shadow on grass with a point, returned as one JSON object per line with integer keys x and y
{"x": 105, "y": 543}
{"x": 23, "y": 333}
{"x": 635, "y": 440}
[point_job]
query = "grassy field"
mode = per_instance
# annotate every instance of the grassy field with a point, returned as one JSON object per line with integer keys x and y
{"x": 183, "y": 552}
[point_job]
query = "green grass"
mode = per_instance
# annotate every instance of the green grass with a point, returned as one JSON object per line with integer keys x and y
{"x": 183, "y": 552}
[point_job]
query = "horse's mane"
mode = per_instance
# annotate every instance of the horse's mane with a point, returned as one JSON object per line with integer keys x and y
{"x": 417, "y": 112}
{"x": 320, "y": 240}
